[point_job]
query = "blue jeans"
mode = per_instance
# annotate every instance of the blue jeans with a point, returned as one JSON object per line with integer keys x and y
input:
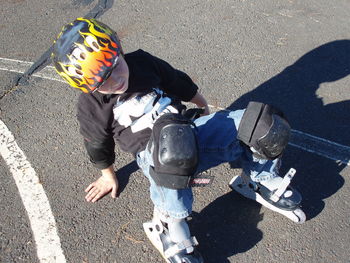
{"x": 216, "y": 135}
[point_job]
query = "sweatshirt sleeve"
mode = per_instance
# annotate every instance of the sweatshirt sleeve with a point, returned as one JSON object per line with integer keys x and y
{"x": 95, "y": 128}
{"x": 101, "y": 154}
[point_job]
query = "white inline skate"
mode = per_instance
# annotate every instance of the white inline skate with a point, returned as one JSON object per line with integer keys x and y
{"x": 275, "y": 194}
{"x": 182, "y": 252}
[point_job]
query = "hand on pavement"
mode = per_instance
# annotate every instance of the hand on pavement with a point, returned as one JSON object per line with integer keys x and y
{"x": 106, "y": 183}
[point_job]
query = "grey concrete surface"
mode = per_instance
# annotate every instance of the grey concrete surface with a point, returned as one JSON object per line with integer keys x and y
{"x": 294, "y": 54}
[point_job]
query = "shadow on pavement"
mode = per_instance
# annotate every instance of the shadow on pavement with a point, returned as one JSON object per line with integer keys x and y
{"x": 124, "y": 174}
{"x": 294, "y": 91}
{"x": 227, "y": 226}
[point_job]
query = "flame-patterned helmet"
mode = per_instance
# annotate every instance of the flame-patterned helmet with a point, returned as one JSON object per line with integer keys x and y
{"x": 85, "y": 52}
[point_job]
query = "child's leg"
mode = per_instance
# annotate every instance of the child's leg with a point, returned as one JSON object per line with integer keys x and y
{"x": 217, "y": 138}
{"x": 216, "y": 135}
{"x": 218, "y": 143}
{"x": 168, "y": 230}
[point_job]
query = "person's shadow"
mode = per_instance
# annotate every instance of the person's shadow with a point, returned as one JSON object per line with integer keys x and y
{"x": 294, "y": 91}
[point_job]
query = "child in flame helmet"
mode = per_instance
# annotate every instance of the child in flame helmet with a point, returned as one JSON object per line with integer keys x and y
{"x": 122, "y": 97}
{"x": 126, "y": 96}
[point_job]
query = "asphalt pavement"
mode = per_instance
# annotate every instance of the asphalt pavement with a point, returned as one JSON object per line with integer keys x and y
{"x": 291, "y": 53}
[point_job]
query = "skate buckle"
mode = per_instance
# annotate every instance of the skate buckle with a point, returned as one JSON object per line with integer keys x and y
{"x": 284, "y": 184}
{"x": 191, "y": 242}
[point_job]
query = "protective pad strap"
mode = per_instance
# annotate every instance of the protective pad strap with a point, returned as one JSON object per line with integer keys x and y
{"x": 249, "y": 121}
{"x": 171, "y": 181}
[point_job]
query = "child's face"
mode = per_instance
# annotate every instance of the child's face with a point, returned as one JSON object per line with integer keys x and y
{"x": 118, "y": 81}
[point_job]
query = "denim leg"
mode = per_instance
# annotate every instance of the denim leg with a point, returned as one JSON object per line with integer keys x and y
{"x": 217, "y": 142}
{"x": 259, "y": 169}
{"x": 169, "y": 202}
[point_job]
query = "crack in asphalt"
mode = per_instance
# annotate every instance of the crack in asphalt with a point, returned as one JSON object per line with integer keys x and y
{"x": 100, "y": 8}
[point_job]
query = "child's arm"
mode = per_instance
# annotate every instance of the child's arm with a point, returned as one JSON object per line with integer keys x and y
{"x": 102, "y": 156}
{"x": 108, "y": 182}
{"x": 94, "y": 120}
{"x": 200, "y": 101}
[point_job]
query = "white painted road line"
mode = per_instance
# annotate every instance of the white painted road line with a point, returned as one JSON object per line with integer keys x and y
{"x": 301, "y": 140}
{"x": 19, "y": 66}
{"x": 34, "y": 199}
{"x": 325, "y": 148}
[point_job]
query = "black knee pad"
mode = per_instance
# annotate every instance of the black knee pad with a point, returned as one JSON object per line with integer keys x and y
{"x": 265, "y": 129}
{"x": 174, "y": 151}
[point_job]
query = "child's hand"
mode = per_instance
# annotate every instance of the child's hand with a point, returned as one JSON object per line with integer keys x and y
{"x": 206, "y": 111}
{"x": 102, "y": 186}
{"x": 200, "y": 101}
